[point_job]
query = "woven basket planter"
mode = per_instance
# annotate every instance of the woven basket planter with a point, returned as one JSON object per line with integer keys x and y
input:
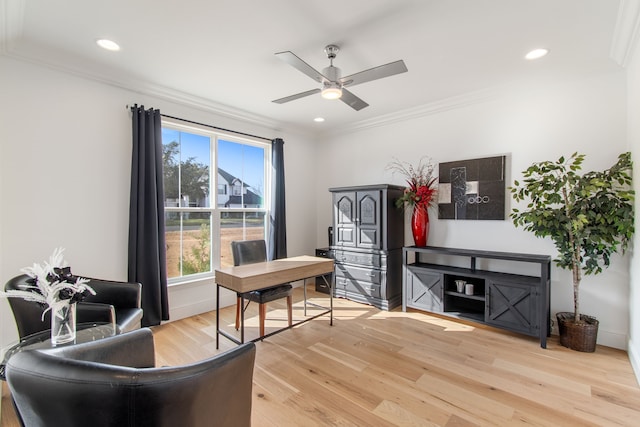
{"x": 581, "y": 336}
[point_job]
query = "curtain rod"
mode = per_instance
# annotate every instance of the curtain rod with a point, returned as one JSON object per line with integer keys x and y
{"x": 212, "y": 127}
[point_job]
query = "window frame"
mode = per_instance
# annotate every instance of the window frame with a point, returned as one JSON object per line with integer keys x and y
{"x": 214, "y": 210}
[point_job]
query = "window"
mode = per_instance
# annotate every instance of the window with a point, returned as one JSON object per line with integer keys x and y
{"x": 199, "y": 224}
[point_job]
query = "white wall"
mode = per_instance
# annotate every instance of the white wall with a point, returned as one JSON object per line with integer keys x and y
{"x": 5, "y": 328}
{"x": 65, "y": 175}
{"x": 527, "y": 124}
{"x": 633, "y": 126}
{"x": 65, "y": 163}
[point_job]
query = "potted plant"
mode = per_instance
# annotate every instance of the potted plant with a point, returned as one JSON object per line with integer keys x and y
{"x": 589, "y": 217}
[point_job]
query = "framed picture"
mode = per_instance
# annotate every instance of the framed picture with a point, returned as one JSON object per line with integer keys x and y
{"x": 472, "y": 189}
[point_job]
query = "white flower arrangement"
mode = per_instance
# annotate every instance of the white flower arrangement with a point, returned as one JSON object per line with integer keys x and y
{"x": 53, "y": 285}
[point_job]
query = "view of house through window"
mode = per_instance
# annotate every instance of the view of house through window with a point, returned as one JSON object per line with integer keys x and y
{"x": 200, "y": 224}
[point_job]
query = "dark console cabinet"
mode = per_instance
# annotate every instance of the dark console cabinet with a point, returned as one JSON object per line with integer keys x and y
{"x": 515, "y": 302}
{"x": 368, "y": 235}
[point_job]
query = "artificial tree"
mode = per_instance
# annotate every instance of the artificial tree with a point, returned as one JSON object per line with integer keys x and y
{"x": 589, "y": 217}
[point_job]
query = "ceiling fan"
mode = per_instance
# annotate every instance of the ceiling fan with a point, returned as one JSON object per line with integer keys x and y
{"x": 333, "y": 85}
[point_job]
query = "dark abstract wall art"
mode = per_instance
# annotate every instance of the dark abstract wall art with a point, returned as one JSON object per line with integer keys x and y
{"x": 472, "y": 189}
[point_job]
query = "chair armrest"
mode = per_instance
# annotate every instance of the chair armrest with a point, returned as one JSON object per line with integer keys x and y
{"x": 91, "y": 312}
{"x": 134, "y": 350}
{"x": 118, "y": 294}
{"x": 224, "y": 381}
{"x": 60, "y": 387}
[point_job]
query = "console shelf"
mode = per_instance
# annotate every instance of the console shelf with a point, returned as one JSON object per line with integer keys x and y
{"x": 511, "y": 301}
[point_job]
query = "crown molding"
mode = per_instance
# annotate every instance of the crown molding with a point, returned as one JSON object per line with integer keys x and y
{"x": 143, "y": 87}
{"x": 11, "y": 20}
{"x": 199, "y": 103}
{"x": 451, "y": 103}
{"x": 626, "y": 32}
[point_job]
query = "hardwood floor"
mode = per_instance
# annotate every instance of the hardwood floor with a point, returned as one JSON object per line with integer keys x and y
{"x": 376, "y": 368}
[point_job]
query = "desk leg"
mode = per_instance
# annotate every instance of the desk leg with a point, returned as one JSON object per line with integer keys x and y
{"x": 304, "y": 287}
{"x": 217, "y": 316}
{"x": 242, "y": 307}
{"x": 332, "y": 283}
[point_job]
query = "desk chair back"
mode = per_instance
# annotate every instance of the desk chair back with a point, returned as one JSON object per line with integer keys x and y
{"x": 248, "y": 251}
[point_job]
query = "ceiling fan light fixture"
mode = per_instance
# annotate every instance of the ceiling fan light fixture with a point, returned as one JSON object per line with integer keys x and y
{"x": 331, "y": 91}
{"x": 332, "y": 81}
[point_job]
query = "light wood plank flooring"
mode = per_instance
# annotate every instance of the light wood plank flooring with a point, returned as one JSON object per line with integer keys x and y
{"x": 376, "y": 368}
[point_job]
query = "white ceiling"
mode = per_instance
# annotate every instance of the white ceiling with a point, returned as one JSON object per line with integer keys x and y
{"x": 221, "y": 53}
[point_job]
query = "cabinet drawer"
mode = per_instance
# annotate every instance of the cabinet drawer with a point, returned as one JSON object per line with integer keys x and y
{"x": 357, "y": 273}
{"x": 369, "y": 260}
{"x": 357, "y": 286}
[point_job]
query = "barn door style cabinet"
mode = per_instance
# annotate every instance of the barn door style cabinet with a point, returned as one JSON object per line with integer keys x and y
{"x": 515, "y": 302}
{"x": 367, "y": 247}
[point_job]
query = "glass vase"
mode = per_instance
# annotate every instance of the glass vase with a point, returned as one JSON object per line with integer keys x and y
{"x": 420, "y": 225}
{"x": 63, "y": 324}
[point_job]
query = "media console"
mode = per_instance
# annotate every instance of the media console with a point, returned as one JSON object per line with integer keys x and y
{"x": 507, "y": 300}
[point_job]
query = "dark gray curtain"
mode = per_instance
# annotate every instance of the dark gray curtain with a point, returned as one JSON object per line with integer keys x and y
{"x": 147, "y": 261}
{"x": 278, "y": 219}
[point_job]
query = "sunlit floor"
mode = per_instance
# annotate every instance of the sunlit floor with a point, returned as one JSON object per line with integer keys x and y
{"x": 390, "y": 368}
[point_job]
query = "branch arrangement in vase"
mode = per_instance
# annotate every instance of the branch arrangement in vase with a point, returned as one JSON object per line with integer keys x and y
{"x": 52, "y": 285}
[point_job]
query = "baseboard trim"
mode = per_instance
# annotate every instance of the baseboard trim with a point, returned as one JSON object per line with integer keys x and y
{"x": 188, "y": 310}
{"x": 634, "y": 358}
{"x": 612, "y": 339}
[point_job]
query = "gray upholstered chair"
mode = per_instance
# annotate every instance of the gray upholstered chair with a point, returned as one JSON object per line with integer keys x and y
{"x": 114, "y": 302}
{"x": 113, "y": 382}
{"x": 249, "y": 252}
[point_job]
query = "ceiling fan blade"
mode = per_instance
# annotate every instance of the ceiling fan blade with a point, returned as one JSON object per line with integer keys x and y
{"x": 291, "y": 59}
{"x": 296, "y": 96}
{"x": 375, "y": 73}
{"x": 352, "y": 101}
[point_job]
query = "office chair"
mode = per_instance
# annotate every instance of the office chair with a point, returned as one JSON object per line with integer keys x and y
{"x": 249, "y": 252}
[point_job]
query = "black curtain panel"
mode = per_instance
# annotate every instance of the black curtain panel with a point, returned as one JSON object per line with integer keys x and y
{"x": 278, "y": 219}
{"x": 147, "y": 261}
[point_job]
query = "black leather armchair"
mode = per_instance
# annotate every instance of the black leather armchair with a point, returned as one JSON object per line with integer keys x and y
{"x": 115, "y": 302}
{"x": 112, "y": 382}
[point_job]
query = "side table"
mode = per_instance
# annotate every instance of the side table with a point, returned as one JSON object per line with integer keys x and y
{"x": 85, "y": 332}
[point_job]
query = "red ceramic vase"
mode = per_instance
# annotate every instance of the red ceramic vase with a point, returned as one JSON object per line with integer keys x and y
{"x": 420, "y": 225}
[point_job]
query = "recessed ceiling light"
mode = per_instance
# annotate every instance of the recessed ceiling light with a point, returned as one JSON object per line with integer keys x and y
{"x": 536, "y": 53}
{"x": 108, "y": 44}
{"x": 319, "y": 119}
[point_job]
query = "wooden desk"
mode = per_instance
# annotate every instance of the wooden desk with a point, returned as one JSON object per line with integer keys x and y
{"x": 261, "y": 275}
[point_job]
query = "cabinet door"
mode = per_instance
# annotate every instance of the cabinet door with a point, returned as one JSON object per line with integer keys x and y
{"x": 424, "y": 290}
{"x": 512, "y": 306}
{"x": 344, "y": 219}
{"x": 369, "y": 222}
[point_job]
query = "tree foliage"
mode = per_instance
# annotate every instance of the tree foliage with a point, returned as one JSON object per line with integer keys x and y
{"x": 589, "y": 217}
{"x": 183, "y": 178}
